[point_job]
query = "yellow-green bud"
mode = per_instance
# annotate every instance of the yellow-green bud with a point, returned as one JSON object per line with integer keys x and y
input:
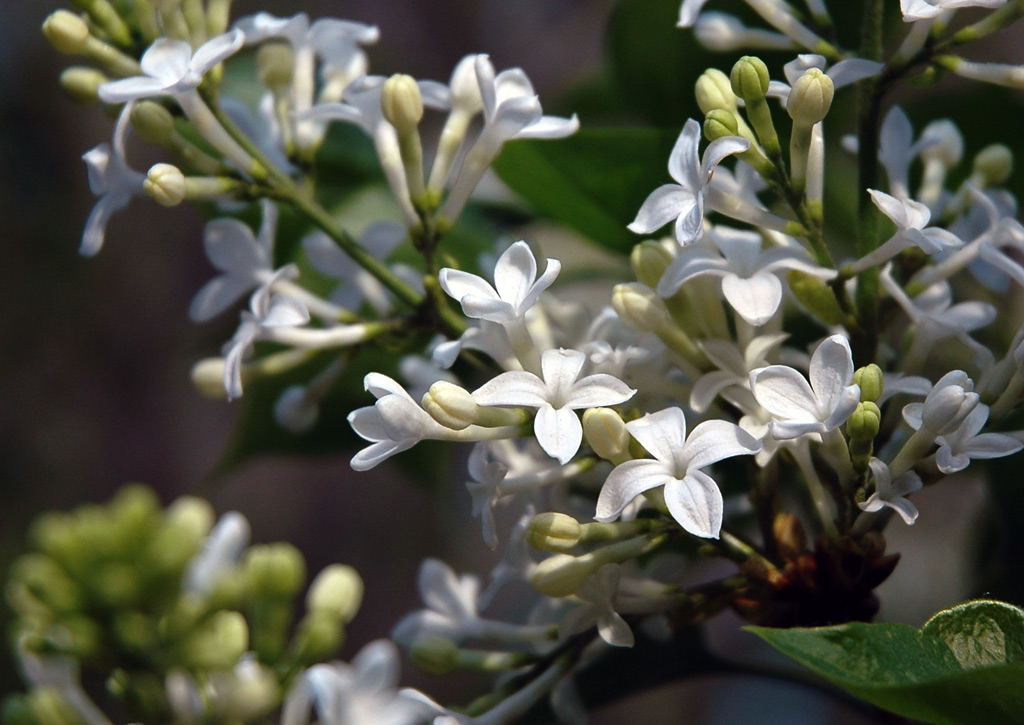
{"x": 152, "y": 122}
{"x": 192, "y": 514}
{"x": 554, "y": 532}
{"x": 274, "y": 571}
{"x": 560, "y": 575}
{"x": 816, "y": 296}
{"x": 115, "y": 585}
{"x": 863, "y": 425}
{"x": 82, "y": 83}
{"x": 720, "y": 123}
{"x": 811, "y": 97}
{"x": 46, "y": 581}
{"x": 136, "y": 513}
{"x": 208, "y": 377}
{"x": 45, "y": 705}
{"x": 401, "y": 102}
{"x": 435, "y": 655}
{"x": 749, "y": 78}
{"x": 450, "y": 405}
{"x": 336, "y": 590}
{"x": 714, "y": 91}
{"x": 994, "y": 164}
{"x": 135, "y": 631}
{"x": 871, "y": 382}
{"x": 320, "y": 636}
{"x": 67, "y": 32}
{"x": 217, "y": 643}
{"x": 639, "y": 307}
{"x": 166, "y": 184}
{"x": 606, "y": 433}
{"x": 275, "y": 65}
{"x": 649, "y": 261}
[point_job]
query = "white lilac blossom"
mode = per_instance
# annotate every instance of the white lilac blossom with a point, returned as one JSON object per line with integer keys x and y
{"x": 111, "y": 179}
{"x": 723, "y": 33}
{"x": 843, "y": 73}
{"x": 776, "y": 12}
{"x": 598, "y": 595}
{"x": 800, "y": 409}
{"x": 749, "y": 276}
{"x": 357, "y": 285}
{"x": 733, "y": 369}
{"x": 928, "y": 9}
{"x": 959, "y": 447}
{"x": 684, "y": 201}
{"x": 557, "y": 394}
{"x": 692, "y": 496}
{"x": 892, "y": 494}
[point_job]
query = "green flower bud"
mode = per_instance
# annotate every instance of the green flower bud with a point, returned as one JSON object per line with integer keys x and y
{"x": 208, "y": 377}
{"x": 401, "y": 102}
{"x": 863, "y": 425}
{"x": 720, "y": 123}
{"x": 994, "y": 164}
{"x": 165, "y": 184}
{"x": 66, "y": 32}
{"x": 816, "y": 296}
{"x": 714, "y": 91}
{"x": 554, "y": 532}
{"x": 810, "y": 98}
{"x": 135, "y": 632}
{"x": 46, "y": 582}
{"x": 152, "y": 122}
{"x": 450, "y": 405}
{"x": 749, "y": 78}
{"x": 217, "y": 643}
{"x": 82, "y": 83}
{"x": 337, "y": 590}
{"x": 871, "y": 382}
{"x": 606, "y": 433}
{"x": 275, "y": 65}
{"x": 649, "y": 261}
{"x": 86, "y": 638}
{"x": 435, "y": 655}
{"x": 639, "y": 307}
{"x": 47, "y": 706}
{"x": 319, "y": 637}
{"x": 560, "y": 575}
{"x": 136, "y": 514}
{"x": 115, "y": 585}
{"x": 274, "y": 571}
{"x": 192, "y": 514}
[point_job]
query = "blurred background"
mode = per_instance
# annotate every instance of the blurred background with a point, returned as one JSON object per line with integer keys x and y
{"x": 95, "y": 353}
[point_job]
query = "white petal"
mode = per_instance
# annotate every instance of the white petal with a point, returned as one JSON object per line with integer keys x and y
{"x": 599, "y": 390}
{"x": 684, "y": 161}
{"x": 550, "y": 127}
{"x": 662, "y": 433}
{"x": 515, "y": 272}
{"x": 515, "y": 387}
{"x": 459, "y": 284}
{"x": 215, "y": 50}
{"x": 696, "y": 503}
{"x": 783, "y": 392}
{"x": 444, "y": 592}
{"x": 662, "y": 206}
{"x": 216, "y": 296}
{"x": 831, "y": 370}
{"x": 716, "y": 440}
{"x": 559, "y": 432}
{"x": 755, "y": 299}
{"x": 626, "y": 482}
{"x": 166, "y": 60}
{"x": 130, "y": 89}
{"x": 231, "y": 247}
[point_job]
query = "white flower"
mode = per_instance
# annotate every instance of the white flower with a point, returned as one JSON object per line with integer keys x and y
{"x": 750, "y": 281}
{"x": 111, "y": 179}
{"x": 393, "y": 424}
{"x": 515, "y": 290}
{"x": 556, "y": 396}
{"x": 220, "y": 552}
{"x": 958, "y": 448}
{"x": 246, "y": 262}
{"x": 598, "y": 594}
{"x": 325, "y": 255}
{"x": 946, "y": 407}
{"x": 691, "y": 495}
{"x": 926, "y": 9}
{"x": 733, "y": 370}
{"x": 892, "y": 493}
{"x": 841, "y": 74}
{"x": 800, "y": 409}
{"x": 684, "y": 201}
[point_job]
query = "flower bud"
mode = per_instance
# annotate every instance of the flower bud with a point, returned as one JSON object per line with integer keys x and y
{"x": 208, "y": 377}
{"x": 450, "y": 405}
{"x": 296, "y": 411}
{"x": 275, "y": 65}
{"x": 945, "y": 409}
{"x": 337, "y": 590}
{"x": 166, "y": 184}
{"x": 811, "y": 97}
{"x": 66, "y": 32}
{"x": 217, "y": 643}
{"x": 749, "y": 78}
{"x": 319, "y": 636}
{"x": 720, "y": 123}
{"x": 275, "y": 571}
{"x": 192, "y": 515}
{"x": 554, "y": 532}
{"x": 82, "y": 83}
{"x": 649, "y": 261}
{"x": 560, "y": 575}
{"x": 401, "y": 102}
{"x": 714, "y": 92}
{"x": 864, "y": 423}
{"x": 152, "y": 122}
{"x": 720, "y": 32}
{"x": 871, "y": 382}
{"x": 942, "y": 141}
{"x": 435, "y": 655}
{"x": 135, "y": 632}
{"x": 639, "y": 307}
{"x": 606, "y": 433}
{"x": 816, "y": 296}
{"x": 465, "y": 87}
{"x": 994, "y": 164}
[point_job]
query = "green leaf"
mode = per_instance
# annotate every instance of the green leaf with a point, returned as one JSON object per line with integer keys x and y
{"x": 965, "y": 665}
{"x": 571, "y": 182}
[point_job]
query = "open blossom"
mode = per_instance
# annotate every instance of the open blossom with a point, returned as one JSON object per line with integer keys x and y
{"x": 800, "y": 409}
{"x": 927, "y": 9}
{"x": 967, "y": 442}
{"x": 684, "y": 201}
{"x": 892, "y": 494}
{"x": 357, "y": 284}
{"x": 911, "y": 219}
{"x": 556, "y": 395}
{"x": 691, "y": 495}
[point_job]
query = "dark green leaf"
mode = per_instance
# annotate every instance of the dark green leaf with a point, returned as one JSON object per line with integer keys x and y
{"x": 965, "y": 665}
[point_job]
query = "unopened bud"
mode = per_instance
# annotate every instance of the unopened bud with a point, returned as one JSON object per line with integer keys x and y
{"x": 401, "y": 102}
{"x": 720, "y": 123}
{"x": 649, "y": 261}
{"x": 560, "y": 575}
{"x": 319, "y": 637}
{"x": 275, "y": 65}
{"x": 554, "y": 532}
{"x": 465, "y": 87}
{"x": 871, "y": 382}
{"x": 337, "y": 590}
{"x": 816, "y": 296}
{"x": 811, "y": 97}
{"x": 218, "y": 642}
{"x": 450, "y": 405}
{"x": 192, "y": 514}
{"x": 606, "y": 433}
{"x": 864, "y": 423}
{"x": 275, "y": 571}
{"x": 82, "y": 83}
{"x": 945, "y": 409}
{"x": 152, "y": 122}
{"x": 714, "y": 92}
{"x": 994, "y": 164}
{"x": 639, "y": 307}
{"x": 749, "y": 78}
{"x": 435, "y": 655}
{"x": 208, "y": 377}
{"x": 66, "y": 32}
{"x": 942, "y": 141}
{"x": 166, "y": 184}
